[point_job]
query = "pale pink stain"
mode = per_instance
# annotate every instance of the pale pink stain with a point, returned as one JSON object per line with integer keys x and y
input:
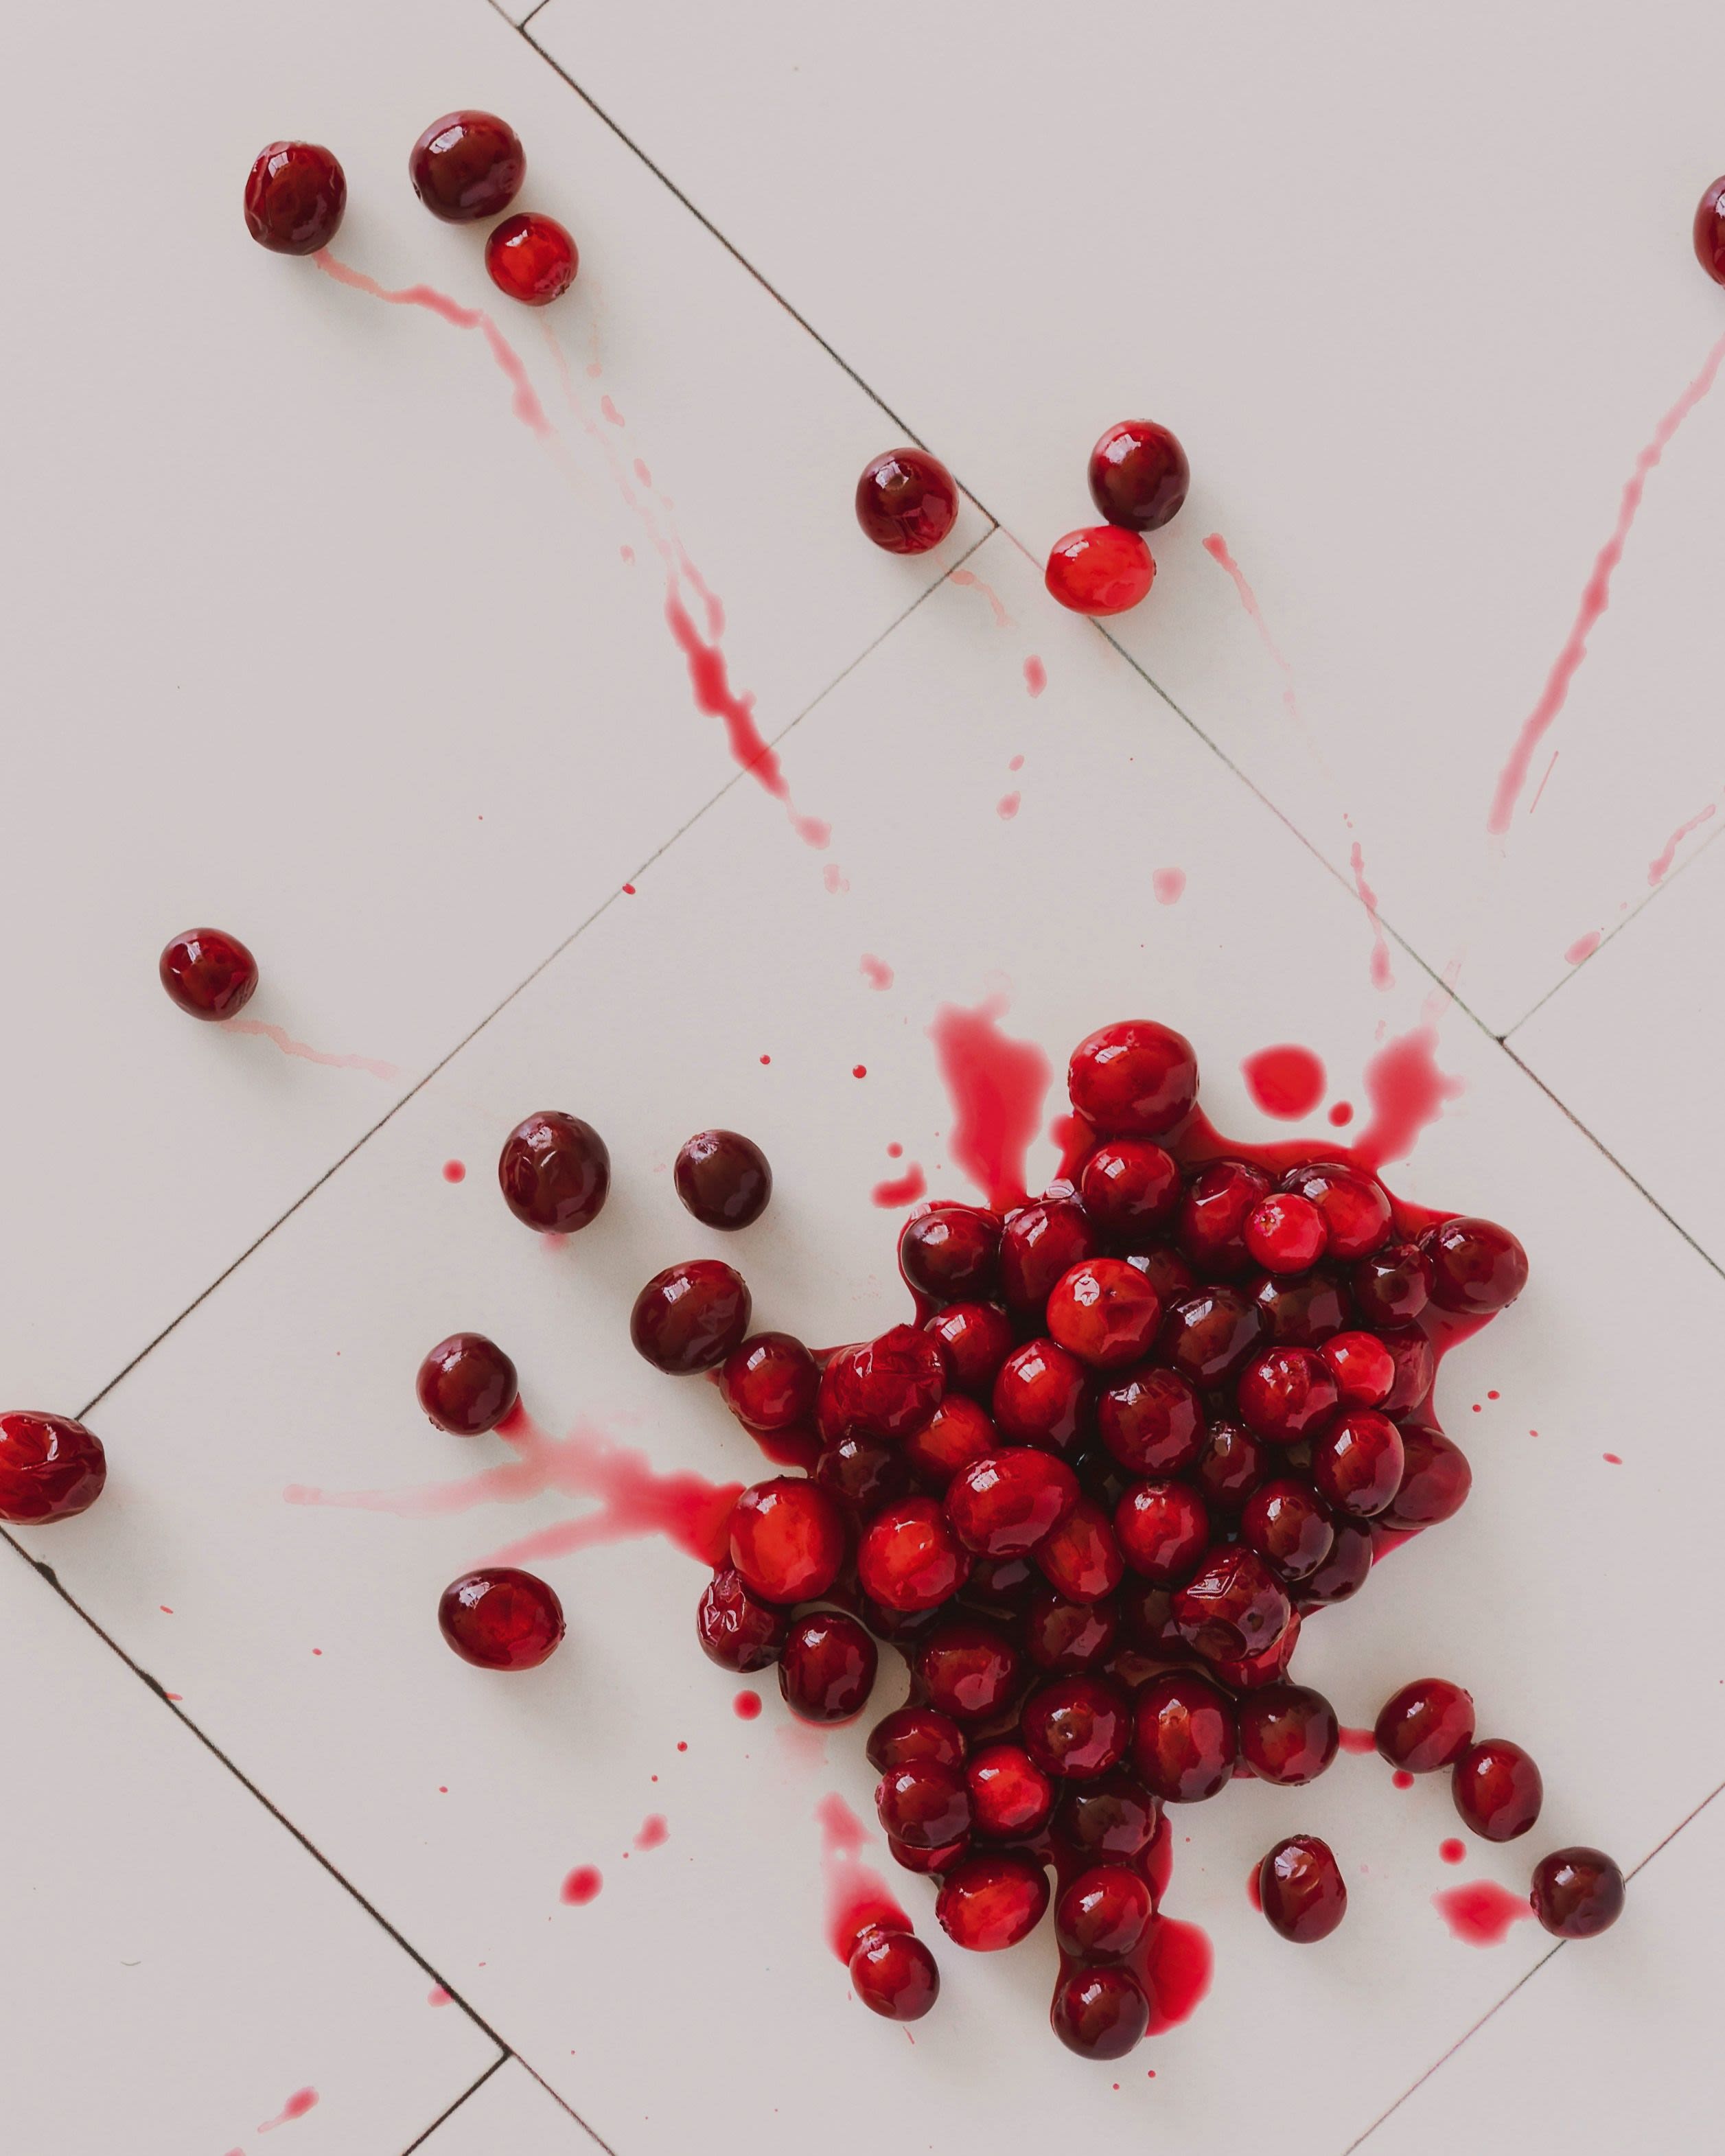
{"x": 628, "y": 553}
{"x": 1036, "y": 675}
{"x": 1407, "y": 1092}
{"x": 1007, "y": 807}
{"x": 1660, "y": 868}
{"x": 1382, "y": 977}
{"x": 856, "y": 1895}
{"x": 1217, "y": 548}
{"x": 1612, "y": 1459}
{"x": 257, "y": 1029}
{"x": 611, "y": 413}
{"x": 973, "y": 582}
{"x": 1539, "y": 790}
{"x": 296, "y": 2106}
{"x": 1595, "y": 597}
{"x": 875, "y": 971}
{"x": 1016, "y": 763}
{"x": 1480, "y": 1912}
{"x": 900, "y": 1189}
{"x": 1169, "y": 886}
{"x": 1583, "y": 946}
{"x": 654, "y": 1831}
{"x": 437, "y": 1996}
{"x": 642, "y": 473}
{"x": 835, "y": 878}
{"x": 454, "y": 1171}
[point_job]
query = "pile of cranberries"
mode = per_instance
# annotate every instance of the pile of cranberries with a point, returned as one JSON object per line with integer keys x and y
{"x": 1138, "y": 477}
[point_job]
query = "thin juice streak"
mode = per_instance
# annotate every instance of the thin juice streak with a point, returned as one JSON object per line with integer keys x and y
{"x": 1660, "y": 867}
{"x": 257, "y": 1028}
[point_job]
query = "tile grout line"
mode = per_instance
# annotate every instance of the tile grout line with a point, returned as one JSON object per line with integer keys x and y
{"x": 450, "y": 2110}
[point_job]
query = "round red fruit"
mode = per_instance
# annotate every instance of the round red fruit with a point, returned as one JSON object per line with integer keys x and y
{"x": 1080, "y": 1559}
{"x": 1578, "y": 1893}
{"x": 1038, "y": 1245}
{"x": 826, "y": 1670}
{"x": 690, "y": 1317}
{"x": 951, "y": 1254}
{"x": 909, "y": 1733}
{"x": 555, "y": 1172}
{"x": 991, "y": 1902}
{"x": 1066, "y": 1637}
{"x": 769, "y": 1381}
{"x": 1302, "y": 1313}
{"x": 295, "y": 195}
{"x": 1100, "y": 2013}
{"x": 210, "y": 975}
{"x": 1184, "y": 1739}
{"x": 1209, "y": 1338}
{"x": 1285, "y": 1233}
{"x": 1234, "y": 1608}
{"x": 1710, "y": 234}
{"x": 894, "y": 1974}
{"x": 1477, "y": 1267}
{"x": 908, "y": 1558}
{"x": 1114, "y": 1818}
{"x": 924, "y": 1804}
{"x": 1213, "y": 1211}
{"x": 736, "y": 1629}
{"x": 1287, "y": 1395}
{"x": 1164, "y": 1531}
{"x": 1100, "y": 569}
{"x": 1004, "y": 1505}
{"x": 1301, "y": 1889}
{"x": 1355, "y": 1206}
{"x": 787, "y": 1540}
{"x": 1393, "y": 1285}
{"x": 907, "y": 501}
{"x": 974, "y": 1338}
{"x": 1076, "y": 1728}
{"x": 862, "y": 1473}
{"x": 500, "y": 1619}
{"x": 531, "y": 259}
{"x": 51, "y": 1468}
{"x": 1104, "y": 1914}
{"x": 1357, "y": 1464}
{"x": 1105, "y": 1312}
{"x": 722, "y": 1177}
{"x": 1229, "y": 1467}
{"x": 1138, "y": 475}
{"x": 1130, "y": 1187}
{"x": 467, "y": 1384}
{"x": 467, "y": 167}
{"x": 1289, "y": 1526}
{"x": 1426, "y": 1725}
{"x": 1344, "y": 1571}
{"x": 1288, "y": 1734}
{"x": 956, "y": 1434}
{"x": 969, "y": 1670}
{"x": 1151, "y": 1422}
{"x": 1040, "y": 1395}
{"x": 1435, "y": 1478}
{"x": 885, "y": 1388}
{"x": 1010, "y": 1796}
{"x": 1134, "y": 1078}
{"x": 1498, "y": 1789}
{"x": 1363, "y": 1367}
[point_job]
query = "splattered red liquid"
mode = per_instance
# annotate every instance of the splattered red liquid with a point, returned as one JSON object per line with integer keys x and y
{"x": 1168, "y": 885}
{"x": 296, "y": 2106}
{"x": 1341, "y": 1115}
{"x": 996, "y": 1087}
{"x": 1660, "y": 867}
{"x": 1382, "y": 977}
{"x": 454, "y": 1171}
{"x": 856, "y": 1896}
{"x": 1008, "y": 806}
{"x": 1583, "y": 946}
{"x": 1177, "y": 1967}
{"x": 1358, "y": 1740}
{"x": 901, "y": 1190}
{"x": 654, "y": 1831}
{"x": 1036, "y": 675}
{"x": 1481, "y": 1913}
{"x": 1402, "y": 1779}
{"x": 747, "y": 1706}
{"x": 581, "y": 1886}
{"x": 875, "y": 971}
{"x": 1287, "y": 1081}
{"x": 1407, "y": 1092}
{"x": 1452, "y": 1851}
{"x": 304, "y": 1053}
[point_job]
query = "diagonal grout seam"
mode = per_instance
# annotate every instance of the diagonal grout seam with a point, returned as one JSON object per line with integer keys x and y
{"x": 496, "y": 2065}
{"x": 449, "y": 2110}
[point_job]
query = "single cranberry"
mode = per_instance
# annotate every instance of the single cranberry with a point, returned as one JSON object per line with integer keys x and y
{"x": 1100, "y": 2013}
{"x": 787, "y": 1540}
{"x": 1290, "y": 1527}
{"x": 1477, "y": 1266}
{"x": 894, "y": 1974}
{"x": 1498, "y": 1789}
{"x": 295, "y": 195}
{"x": 532, "y": 258}
{"x": 467, "y": 166}
{"x": 1184, "y": 1740}
{"x": 1415, "y": 1367}
{"x": 1230, "y": 1466}
{"x": 1167, "y": 1271}
{"x": 1288, "y": 1734}
{"x": 1100, "y": 569}
{"x": 1426, "y": 1725}
{"x": 1710, "y": 239}
{"x": 467, "y": 1384}
{"x": 885, "y": 1388}
{"x": 1138, "y": 475}
{"x": 209, "y": 974}
{"x": 1301, "y": 1889}
{"x": 1104, "y": 1914}
{"x": 500, "y": 1619}
{"x": 1363, "y": 1367}
{"x": 903, "y": 1627}
{"x": 1134, "y": 1078}
{"x": 907, "y": 501}
{"x": 1080, "y": 1559}
{"x": 1105, "y": 1312}
{"x": 1004, "y": 1505}
{"x": 690, "y": 1317}
{"x": 1151, "y": 1422}
{"x": 1066, "y": 1637}
{"x": 1358, "y": 1464}
{"x": 924, "y": 1804}
{"x": 927, "y": 1861}
{"x": 1209, "y": 1335}
{"x": 1244, "y": 1673}
{"x": 1299, "y": 1313}
{"x": 1435, "y": 1480}
{"x": 1039, "y": 1244}
{"x": 1285, "y": 1233}
{"x": 909, "y": 1558}
{"x": 555, "y": 1172}
{"x": 1355, "y": 1205}
{"x": 1287, "y": 1395}
{"x": 826, "y": 1671}
{"x": 975, "y": 1338}
{"x": 1130, "y": 1187}
{"x": 722, "y": 1177}
{"x": 1146, "y": 1617}
{"x": 1164, "y": 1530}
{"x": 1113, "y": 1817}
{"x": 51, "y": 1468}
{"x": 736, "y": 1629}
{"x": 1040, "y": 1395}
{"x": 1343, "y": 1572}
{"x": 1393, "y": 1285}
{"x": 769, "y": 1382}
{"x": 862, "y": 1473}
{"x": 970, "y": 1671}
{"x": 1219, "y": 1201}
{"x": 952, "y": 1254}
{"x": 1010, "y": 1796}
{"x": 955, "y": 1435}
{"x": 1578, "y": 1893}
{"x": 1000, "y": 1588}
{"x": 1076, "y": 1728}
{"x": 915, "y": 1732}
{"x": 991, "y": 1901}
{"x": 1233, "y": 1606}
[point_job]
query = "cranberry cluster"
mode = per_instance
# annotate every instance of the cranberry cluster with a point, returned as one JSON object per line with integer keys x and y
{"x": 1138, "y": 477}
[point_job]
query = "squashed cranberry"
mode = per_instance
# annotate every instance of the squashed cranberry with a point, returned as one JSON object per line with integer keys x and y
{"x": 1233, "y": 1607}
{"x": 1285, "y": 1233}
{"x": 51, "y": 1468}
{"x": 1004, "y": 1505}
{"x": 1286, "y": 1395}
{"x": 907, "y": 501}
{"x": 826, "y": 1671}
{"x": 956, "y": 1434}
{"x": 1477, "y": 1268}
{"x": 1151, "y": 1422}
{"x": 1104, "y": 1914}
{"x": 1435, "y": 1480}
{"x": 1184, "y": 1739}
{"x": 1358, "y": 1464}
{"x": 722, "y": 1177}
{"x": 1219, "y": 1201}
{"x": 467, "y": 167}
{"x": 1080, "y": 1559}
{"x": 500, "y": 1619}
{"x": 969, "y": 1670}
{"x": 1076, "y": 1728}
{"x": 295, "y": 195}
{"x": 1040, "y": 1395}
{"x": 894, "y": 1974}
{"x": 787, "y": 1540}
{"x": 1498, "y": 1789}
{"x": 862, "y": 1473}
{"x": 736, "y": 1629}
{"x": 915, "y": 1732}
{"x": 1112, "y": 1818}
{"x": 1130, "y": 1187}
{"x": 1288, "y": 1734}
{"x": 1710, "y": 237}
{"x": 991, "y": 1901}
{"x": 1289, "y": 1526}
{"x": 1393, "y": 1285}
{"x": 690, "y": 1316}
{"x": 1100, "y": 2013}
{"x": 1138, "y": 475}
{"x": 885, "y": 1388}
{"x": 952, "y": 1254}
{"x": 975, "y": 1338}
{"x": 1067, "y": 1636}
{"x": 209, "y": 974}
{"x": 1164, "y": 1531}
{"x": 1343, "y": 1572}
{"x": 555, "y": 1172}
{"x": 1230, "y": 1466}
{"x": 1010, "y": 1796}
{"x": 1363, "y": 1367}
{"x": 1209, "y": 1335}
{"x": 924, "y": 1804}
{"x": 908, "y": 1558}
{"x": 1578, "y": 1893}
{"x": 1426, "y": 1725}
{"x": 1038, "y": 1245}
{"x": 769, "y": 1382}
{"x": 1105, "y": 1312}
{"x": 1100, "y": 569}
{"x": 1355, "y": 1206}
{"x": 1301, "y": 1889}
{"x": 1134, "y": 1078}
{"x": 467, "y": 1384}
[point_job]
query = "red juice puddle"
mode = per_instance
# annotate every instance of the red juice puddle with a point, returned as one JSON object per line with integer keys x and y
{"x": 747, "y": 1706}
{"x": 388, "y": 1072}
{"x": 635, "y": 1499}
{"x": 1382, "y": 977}
{"x": 1402, "y": 1779}
{"x": 895, "y": 1150}
{"x": 1481, "y": 1913}
{"x": 454, "y": 1171}
{"x": 875, "y": 971}
{"x": 1358, "y": 1740}
{"x": 1008, "y": 806}
{"x": 654, "y": 1831}
{"x": 973, "y": 582}
{"x": 1341, "y": 1115}
{"x": 296, "y": 2106}
{"x": 1287, "y": 1080}
{"x": 1255, "y": 1893}
{"x": 901, "y": 1190}
{"x": 1169, "y": 886}
{"x": 582, "y": 1886}
{"x": 996, "y": 1087}
{"x": 1452, "y": 1851}
{"x": 1583, "y": 946}
{"x": 1178, "y": 1967}
{"x": 1595, "y": 597}
{"x": 1660, "y": 868}
{"x": 1407, "y": 1091}
{"x": 1036, "y": 675}
{"x": 437, "y": 1996}
{"x": 859, "y": 1069}
{"x": 856, "y": 1896}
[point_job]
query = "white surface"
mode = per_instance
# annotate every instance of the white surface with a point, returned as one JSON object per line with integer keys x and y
{"x": 510, "y": 2114}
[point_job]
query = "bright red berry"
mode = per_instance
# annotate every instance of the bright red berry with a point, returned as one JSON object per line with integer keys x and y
{"x": 1105, "y": 1312}
{"x": 1004, "y": 1505}
{"x": 1288, "y": 1734}
{"x": 1100, "y": 569}
{"x": 885, "y": 1388}
{"x": 1184, "y": 1740}
{"x": 1010, "y": 1797}
{"x": 787, "y": 1540}
{"x": 1426, "y": 1725}
{"x": 1077, "y": 1727}
{"x": 826, "y": 1670}
{"x": 988, "y": 1902}
{"x": 1163, "y": 1530}
{"x": 1040, "y": 1395}
{"x": 909, "y": 1558}
{"x": 1498, "y": 1789}
{"x": 970, "y": 1671}
{"x": 1286, "y": 1395}
{"x": 1104, "y": 1913}
{"x": 1358, "y": 1464}
{"x": 1133, "y": 1079}
{"x": 769, "y": 1381}
{"x": 1363, "y": 1367}
{"x": 531, "y": 259}
{"x": 1285, "y": 1233}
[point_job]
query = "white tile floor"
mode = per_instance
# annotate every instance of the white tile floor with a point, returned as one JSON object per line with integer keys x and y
{"x": 373, "y": 680}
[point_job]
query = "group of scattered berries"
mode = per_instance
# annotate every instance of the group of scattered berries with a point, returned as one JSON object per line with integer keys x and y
{"x": 466, "y": 168}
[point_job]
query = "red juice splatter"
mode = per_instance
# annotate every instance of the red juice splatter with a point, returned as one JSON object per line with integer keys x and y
{"x": 1407, "y": 1091}
{"x": 900, "y": 1189}
{"x": 1583, "y": 946}
{"x": 996, "y": 1087}
{"x": 895, "y": 1150}
{"x": 1178, "y": 1965}
{"x": 766, "y": 1059}
{"x": 1480, "y": 1912}
{"x": 973, "y": 582}
{"x": 581, "y": 1886}
{"x": 1540, "y": 788}
{"x": 875, "y": 971}
{"x": 1452, "y": 1851}
{"x": 296, "y": 2106}
{"x": 437, "y": 1996}
{"x": 1358, "y": 1740}
{"x": 1007, "y": 807}
{"x": 747, "y": 1706}
{"x": 654, "y": 1831}
{"x": 1255, "y": 1893}
{"x": 1169, "y": 886}
{"x": 856, "y": 1896}
{"x": 835, "y": 878}
{"x": 859, "y": 1069}
{"x": 1036, "y": 675}
{"x": 613, "y": 414}
{"x": 1382, "y": 977}
{"x": 454, "y": 1171}
{"x": 1016, "y": 763}
{"x": 1341, "y": 1114}
{"x": 1613, "y": 1459}
{"x": 1286, "y": 1080}
{"x": 388, "y": 1072}
{"x": 628, "y": 891}
{"x": 1660, "y": 868}
{"x": 1217, "y": 548}
{"x": 1401, "y": 1779}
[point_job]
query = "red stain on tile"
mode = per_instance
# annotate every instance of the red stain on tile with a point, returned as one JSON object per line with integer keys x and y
{"x": 1036, "y": 675}
{"x": 581, "y": 1886}
{"x": 1583, "y": 946}
{"x": 1169, "y": 886}
{"x": 1480, "y": 1912}
{"x": 875, "y": 971}
{"x": 258, "y": 1030}
{"x": 747, "y": 1706}
{"x": 296, "y": 2106}
{"x": 653, "y": 1830}
{"x": 900, "y": 1189}
{"x": 454, "y": 1171}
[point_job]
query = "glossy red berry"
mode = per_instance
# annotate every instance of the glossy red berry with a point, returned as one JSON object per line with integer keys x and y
{"x": 894, "y": 1974}
{"x": 1105, "y": 1312}
{"x": 1134, "y": 1078}
{"x": 1010, "y": 1797}
{"x": 1710, "y": 236}
{"x": 862, "y": 1473}
{"x": 787, "y": 1540}
{"x": 969, "y": 1670}
{"x": 1184, "y": 1739}
{"x": 1426, "y": 1725}
{"x": 769, "y": 1381}
{"x": 1151, "y": 1422}
{"x": 907, "y": 501}
{"x": 1001, "y": 1588}
{"x": 1076, "y": 1728}
{"x": 1301, "y": 1889}
{"x": 1578, "y": 1893}
{"x": 1167, "y": 1271}
{"x": 991, "y": 1902}
{"x": 1299, "y": 1312}
{"x": 1286, "y": 1395}
{"x": 1230, "y": 1466}
{"x": 1343, "y": 1572}
{"x": 1100, "y": 2013}
{"x": 1138, "y": 475}
{"x": 1113, "y": 1817}
{"x": 1104, "y": 1914}
{"x": 555, "y": 1172}
{"x": 885, "y": 1388}
{"x": 1163, "y": 1530}
{"x": 295, "y": 195}
{"x": 1100, "y": 569}
{"x": 975, "y": 1338}
{"x": 1498, "y": 1789}
{"x": 924, "y": 1804}
{"x": 1081, "y": 1559}
{"x": 1038, "y": 1245}
{"x": 737, "y": 1630}
{"x": 1130, "y": 1189}
{"x": 1233, "y": 1607}
{"x": 909, "y": 1558}
{"x": 1209, "y": 1336}
{"x": 1358, "y": 1464}
{"x": 500, "y": 1619}
{"x": 909, "y": 1733}
{"x": 1289, "y": 1526}
{"x": 1218, "y": 1203}
{"x": 927, "y": 1861}
{"x": 1363, "y": 1367}
{"x": 1477, "y": 1266}
{"x": 1393, "y": 1285}
{"x": 51, "y": 1468}
{"x": 690, "y": 1317}
{"x": 826, "y": 1670}
{"x": 722, "y": 1177}
{"x": 1435, "y": 1478}
{"x": 1063, "y": 1635}
{"x": 956, "y": 1435}
{"x": 952, "y": 1254}
{"x": 1285, "y": 1233}
{"x": 209, "y": 974}
{"x": 1355, "y": 1206}
{"x": 531, "y": 259}
{"x": 1040, "y": 1396}
{"x": 1415, "y": 1367}
{"x": 467, "y": 166}
{"x": 1004, "y": 1505}
{"x": 467, "y": 1384}
{"x": 1288, "y": 1734}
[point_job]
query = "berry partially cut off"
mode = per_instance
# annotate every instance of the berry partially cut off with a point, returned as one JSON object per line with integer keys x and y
{"x": 51, "y": 1468}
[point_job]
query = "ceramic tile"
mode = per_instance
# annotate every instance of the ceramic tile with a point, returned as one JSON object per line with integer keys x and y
{"x": 459, "y": 1803}
{"x": 180, "y": 1973}
{"x": 1415, "y": 293}
{"x": 315, "y": 640}
{"x": 514, "y": 2112}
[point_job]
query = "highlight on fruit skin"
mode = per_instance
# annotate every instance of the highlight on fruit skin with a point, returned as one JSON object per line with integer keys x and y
{"x": 51, "y": 1468}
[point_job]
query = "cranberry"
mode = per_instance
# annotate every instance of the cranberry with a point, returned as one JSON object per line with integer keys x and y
{"x": 467, "y": 166}
{"x": 1184, "y": 1740}
{"x": 1164, "y": 1530}
{"x": 1299, "y": 1313}
{"x": 209, "y": 974}
{"x": 1301, "y": 1889}
{"x": 894, "y": 1974}
{"x": 1219, "y": 1201}
{"x": 927, "y": 1861}
{"x": 1289, "y": 1526}
{"x": 915, "y": 1732}
{"x": 1038, "y": 1245}
{"x": 1104, "y": 1914}
{"x": 736, "y": 1629}
{"x": 1355, "y": 1206}
{"x": 1498, "y": 1789}
{"x": 1010, "y": 1796}
{"x": 1233, "y": 1606}
{"x": 975, "y": 1338}
{"x": 1100, "y": 569}
{"x": 1138, "y": 475}
{"x": 827, "y": 1669}
{"x": 924, "y": 1804}
{"x": 1134, "y": 1078}
{"x": 1114, "y": 1817}
{"x": 1076, "y": 1728}
{"x": 1343, "y": 1572}
{"x": 1231, "y": 1465}
{"x": 1426, "y": 1725}
{"x": 970, "y": 1671}
{"x": 1435, "y": 1480}
{"x": 295, "y": 195}
{"x": 1105, "y": 1312}
{"x": 1129, "y": 1186}
{"x": 1209, "y": 1337}
{"x": 1578, "y": 1893}
{"x": 1358, "y": 1464}
{"x": 555, "y": 1172}
{"x": 501, "y": 1618}
{"x": 1000, "y": 1588}
{"x": 988, "y": 1903}
{"x": 1080, "y": 1559}
{"x": 1393, "y": 1285}
{"x": 769, "y": 1382}
{"x": 1363, "y": 1367}
{"x": 908, "y": 1558}
{"x": 1004, "y": 1505}
{"x": 1151, "y": 1422}
{"x": 1068, "y": 1636}
{"x": 51, "y": 1468}
{"x": 907, "y": 501}
{"x": 885, "y": 1388}
{"x": 1287, "y": 1395}
{"x": 1477, "y": 1266}
{"x": 1040, "y": 1395}
{"x": 1285, "y": 1233}
{"x": 1415, "y": 1367}
{"x": 690, "y": 1316}
{"x": 1100, "y": 2013}
{"x": 787, "y": 1540}
{"x": 467, "y": 1384}
{"x": 1147, "y": 1618}
{"x": 721, "y": 1176}
{"x": 531, "y": 259}
{"x": 1709, "y": 248}
{"x": 862, "y": 1473}
{"x": 955, "y": 1435}
{"x": 952, "y": 1254}
{"x": 1288, "y": 1734}
{"x": 1243, "y": 1673}
{"x": 1167, "y": 1271}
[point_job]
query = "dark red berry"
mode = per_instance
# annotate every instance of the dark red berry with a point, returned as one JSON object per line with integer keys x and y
{"x": 1358, "y": 1463}
{"x": 1426, "y": 1725}
{"x": 1435, "y": 1478}
{"x": 1105, "y": 1312}
{"x": 209, "y": 974}
{"x": 555, "y": 1172}
{"x": 1210, "y": 1336}
{"x": 295, "y": 195}
{"x": 1290, "y": 1527}
{"x": 1219, "y": 1201}
{"x": 1104, "y": 1914}
{"x": 1302, "y": 1313}
{"x": 736, "y": 1629}
{"x": 467, "y": 166}
{"x": 1076, "y": 1728}
{"x": 1040, "y": 1396}
{"x": 1710, "y": 231}
{"x": 51, "y": 1468}
{"x": 969, "y": 1670}
{"x": 690, "y": 1317}
{"x": 500, "y": 1619}
{"x": 1477, "y": 1266}
{"x": 531, "y": 259}
{"x": 885, "y": 1388}
{"x": 952, "y": 1254}
{"x": 924, "y": 1804}
{"x": 826, "y": 1670}
{"x": 1286, "y": 1395}
{"x": 991, "y": 1901}
{"x": 1151, "y": 1422}
{"x": 1415, "y": 1367}
{"x": 1578, "y": 1893}
{"x": 894, "y": 1974}
{"x": 1037, "y": 1246}
{"x": 975, "y": 1338}
{"x": 1113, "y": 1817}
{"x": 1301, "y": 1889}
{"x": 915, "y": 1732}
{"x": 1100, "y": 569}
{"x": 1392, "y": 1286}
{"x": 1363, "y": 1367}
{"x": 722, "y": 1177}
{"x": 1183, "y": 1740}
{"x": 1230, "y": 1466}
{"x": 1010, "y": 1796}
{"x": 1343, "y": 1572}
{"x": 1138, "y": 475}
{"x": 1288, "y": 1734}
{"x": 1063, "y": 1635}
{"x": 769, "y": 1381}
{"x": 1134, "y": 1078}
{"x": 1498, "y": 1789}
{"x": 908, "y": 1558}
{"x": 1130, "y": 1187}
{"x": 467, "y": 1384}
{"x": 1164, "y": 1531}
{"x": 787, "y": 1540}
{"x": 907, "y": 501}
{"x": 1355, "y": 1206}
{"x": 1100, "y": 2013}
{"x": 862, "y": 1473}
{"x": 1233, "y": 1607}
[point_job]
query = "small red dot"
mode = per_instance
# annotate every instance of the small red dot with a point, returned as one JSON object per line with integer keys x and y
{"x": 1402, "y": 1779}
{"x": 317, "y": 1650}
{"x": 454, "y": 1171}
{"x": 1477, "y": 1407}
{"x": 895, "y": 1150}
{"x": 748, "y": 1705}
{"x": 1343, "y": 1112}
{"x": 681, "y": 1746}
{"x": 1615, "y": 1459}
{"x": 1451, "y": 1851}
{"x": 443, "y": 1788}
{"x": 859, "y": 1069}
{"x": 766, "y": 1059}
{"x": 1494, "y": 1396}
{"x": 628, "y": 891}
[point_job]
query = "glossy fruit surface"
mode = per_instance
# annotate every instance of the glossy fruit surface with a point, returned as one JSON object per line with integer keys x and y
{"x": 1233, "y": 1607}
{"x": 787, "y": 1540}
{"x": 1150, "y": 1421}
{"x": 1216, "y": 1205}
{"x": 894, "y": 1974}
{"x": 1114, "y": 1817}
{"x": 1301, "y": 1889}
{"x": 1426, "y": 1725}
{"x": 1163, "y": 1530}
{"x": 51, "y": 1468}
{"x": 1393, "y": 1285}
{"x": 1184, "y": 1738}
{"x": 1498, "y": 1789}
{"x": 1288, "y": 1734}
{"x": 1288, "y": 1524}
{"x": 956, "y": 1436}
{"x": 1063, "y": 1635}
{"x": 915, "y": 1732}
{"x": 737, "y": 1630}
{"x": 826, "y": 1670}
{"x": 1100, "y": 2013}
{"x": 1303, "y": 1312}
{"x": 1130, "y": 1187}
{"x": 908, "y": 1558}
{"x": 531, "y": 259}
{"x": 1138, "y": 475}
{"x": 1344, "y": 1571}
{"x": 1077, "y": 1727}
{"x": 1355, "y": 1206}
{"x": 1287, "y": 1395}
{"x": 769, "y": 1381}
{"x": 1477, "y": 1267}
{"x": 1229, "y": 1466}
{"x": 1100, "y": 569}
{"x": 1710, "y": 231}
{"x": 500, "y": 1619}
{"x": 1040, "y": 1395}
{"x": 1103, "y": 1914}
{"x": 1357, "y": 1463}
{"x": 1133, "y": 1079}
{"x": 1435, "y": 1478}
{"x": 1080, "y": 1559}
{"x": 722, "y": 1177}
{"x": 885, "y": 1388}
{"x": 1004, "y": 1505}
{"x": 1578, "y": 1893}
{"x": 907, "y": 501}
{"x": 969, "y": 1669}
{"x": 555, "y": 1172}
{"x": 1037, "y": 1246}
{"x": 467, "y": 166}
{"x": 1010, "y": 1796}
{"x": 991, "y": 1902}
{"x": 1285, "y": 1233}
{"x": 467, "y": 1384}
{"x": 209, "y": 974}
{"x": 1105, "y": 1312}
{"x": 690, "y": 1317}
{"x": 1210, "y": 1336}
{"x": 295, "y": 195}
{"x": 1362, "y": 1366}
{"x": 862, "y": 1475}
{"x": 975, "y": 1338}
{"x": 924, "y": 1804}
{"x": 951, "y": 1253}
